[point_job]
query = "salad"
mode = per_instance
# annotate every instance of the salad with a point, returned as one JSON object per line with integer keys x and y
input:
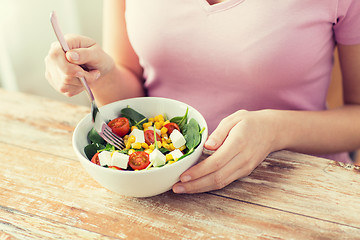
{"x": 149, "y": 142}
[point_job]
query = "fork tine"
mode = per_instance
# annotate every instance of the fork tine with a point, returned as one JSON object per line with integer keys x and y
{"x": 115, "y": 139}
{"x": 110, "y": 137}
{"x": 110, "y": 140}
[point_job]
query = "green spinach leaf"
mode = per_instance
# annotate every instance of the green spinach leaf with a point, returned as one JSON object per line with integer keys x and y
{"x": 94, "y": 137}
{"x": 181, "y": 121}
{"x": 135, "y": 118}
{"x": 192, "y": 134}
{"x": 91, "y": 149}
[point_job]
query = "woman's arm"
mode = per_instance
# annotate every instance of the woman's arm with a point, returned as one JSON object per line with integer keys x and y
{"x": 125, "y": 79}
{"x": 244, "y": 139}
{"x": 335, "y": 130}
{"x": 113, "y": 75}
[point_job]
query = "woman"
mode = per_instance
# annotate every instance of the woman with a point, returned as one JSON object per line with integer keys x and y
{"x": 257, "y": 70}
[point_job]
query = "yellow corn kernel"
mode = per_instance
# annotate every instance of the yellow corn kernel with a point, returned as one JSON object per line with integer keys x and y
{"x": 165, "y": 145}
{"x": 151, "y": 120}
{"x": 144, "y": 145}
{"x": 152, "y": 147}
{"x": 171, "y": 162}
{"x": 168, "y": 140}
{"x": 133, "y": 127}
{"x": 131, "y": 151}
{"x": 132, "y": 139}
{"x": 127, "y": 144}
{"x": 168, "y": 157}
{"x": 183, "y": 147}
{"x": 148, "y": 124}
{"x": 166, "y": 122}
{"x": 148, "y": 150}
{"x": 126, "y": 137}
{"x": 159, "y": 118}
{"x": 136, "y": 145}
{"x": 163, "y": 130}
{"x": 158, "y": 125}
{"x": 172, "y": 148}
{"x": 159, "y": 144}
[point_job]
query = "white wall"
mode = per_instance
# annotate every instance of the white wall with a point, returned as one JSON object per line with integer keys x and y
{"x": 26, "y": 35}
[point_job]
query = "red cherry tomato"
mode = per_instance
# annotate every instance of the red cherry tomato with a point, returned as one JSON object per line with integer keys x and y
{"x": 171, "y": 126}
{"x": 95, "y": 159}
{"x": 149, "y": 137}
{"x": 120, "y": 126}
{"x": 139, "y": 160}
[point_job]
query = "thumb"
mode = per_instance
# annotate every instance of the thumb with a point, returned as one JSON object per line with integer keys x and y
{"x": 93, "y": 57}
{"x": 218, "y": 136}
{"x": 216, "y": 139}
{"x": 81, "y": 56}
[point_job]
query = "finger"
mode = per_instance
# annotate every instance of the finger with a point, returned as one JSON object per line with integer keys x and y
{"x": 234, "y": 170}
{"x": 70, "y": 87}
{"x": 89, "y": 56}
{"x": 228, "y": 150}
{"x": 90, "y": 76}
{"x": 220, "y": 133}
{"x": 56, "y": 62}
{"x": 67, "y": 89}
{"x": 77, "y": 41}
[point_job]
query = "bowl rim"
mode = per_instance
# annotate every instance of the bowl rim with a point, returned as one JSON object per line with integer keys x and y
{"x": 87, "y": 118}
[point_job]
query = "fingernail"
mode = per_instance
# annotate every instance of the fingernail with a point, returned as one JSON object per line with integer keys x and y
{"x": 185, "y": 178}
{"x": 210, "y": 143}
{"x": 74, "y": 56}
{"x": 179, "y": 189}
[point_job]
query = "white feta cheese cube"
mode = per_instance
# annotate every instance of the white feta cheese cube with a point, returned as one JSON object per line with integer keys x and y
{"x": 176, "y": 154}
{"x": 157, "y": 158}
{"x": 138, "y": 134}
{"x": 177, "y": 138}
{"x": 120, "y": 160}
{"x": 105, "y": 158}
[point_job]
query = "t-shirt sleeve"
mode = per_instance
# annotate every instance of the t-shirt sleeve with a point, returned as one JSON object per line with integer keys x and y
{"x": 347, "y": 27}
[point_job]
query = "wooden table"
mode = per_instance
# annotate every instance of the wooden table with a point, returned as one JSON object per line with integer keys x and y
{"x": 46, "y": 194}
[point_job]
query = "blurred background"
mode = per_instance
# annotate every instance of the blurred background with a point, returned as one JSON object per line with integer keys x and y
{"x": 26, "y": 36}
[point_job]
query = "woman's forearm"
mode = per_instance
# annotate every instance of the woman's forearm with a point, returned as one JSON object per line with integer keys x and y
{"x": 119, "y": 83}
{"x": 319, "y": 132}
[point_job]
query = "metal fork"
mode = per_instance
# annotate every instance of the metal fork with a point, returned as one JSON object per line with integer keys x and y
{"x": 99, "y": 123}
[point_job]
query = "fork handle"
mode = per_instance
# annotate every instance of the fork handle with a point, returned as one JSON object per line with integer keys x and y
{"x": 87, "y": 88}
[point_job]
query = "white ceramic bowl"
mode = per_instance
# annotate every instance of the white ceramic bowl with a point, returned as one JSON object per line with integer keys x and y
{"x": 139, "y": 183}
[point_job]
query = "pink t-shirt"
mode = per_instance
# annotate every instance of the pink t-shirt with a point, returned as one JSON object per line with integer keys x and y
{"x": 241, "y": 54}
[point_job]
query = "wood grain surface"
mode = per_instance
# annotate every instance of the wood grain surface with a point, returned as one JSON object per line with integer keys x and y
{"x": 46, "y": 194}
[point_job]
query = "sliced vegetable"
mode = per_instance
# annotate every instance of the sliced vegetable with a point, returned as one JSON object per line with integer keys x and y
{"x": 139, "y": 160}
{"x": 171, "y": 126}
{"x": 120, "y": 126}
{"x": 149, "y": 136}
{"x": 95, "y": 159}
